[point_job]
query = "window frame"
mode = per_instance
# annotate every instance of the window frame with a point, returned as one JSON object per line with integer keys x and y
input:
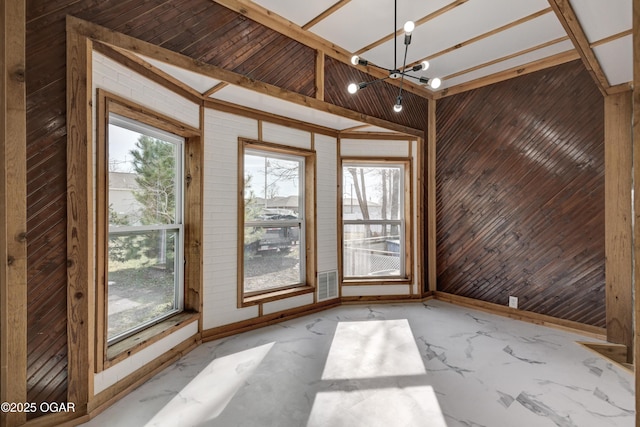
{"x": 188, "y": 256}
{"x": 176, "y": 226}
{"x": 307, "y": 231}
{"x": 407, "y": 220}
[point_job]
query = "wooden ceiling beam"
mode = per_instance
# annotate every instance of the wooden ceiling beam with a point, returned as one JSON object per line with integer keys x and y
{"x": 611, "y": 38}
{"x": 325, "y": 14}
{"x": 285, "y": 27}
{"x": 206, "y": 94}
{"x": 567, "y": 17}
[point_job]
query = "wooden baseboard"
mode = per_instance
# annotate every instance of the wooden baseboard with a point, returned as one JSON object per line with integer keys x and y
{"x": 616, "y": 353}
{"x": 380, "y": 299}
{"x": 526, "y": 316}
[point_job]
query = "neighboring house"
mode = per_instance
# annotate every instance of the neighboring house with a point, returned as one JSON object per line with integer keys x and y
{"x": 279, "y": 204}
{"x": 351, "y": 209}
{"x": 122, "y": 201}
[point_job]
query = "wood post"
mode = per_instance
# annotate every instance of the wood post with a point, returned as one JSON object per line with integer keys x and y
{"x": 431, "y": 196}
{"x": 13, "y": 212}
{"x": 618, "y": 233}
{"x": 636, "y": 200}
{"x": 80, "y": 219}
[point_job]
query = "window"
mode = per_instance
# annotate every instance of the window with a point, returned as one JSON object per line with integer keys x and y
{"x": 148, "y": 227}
{"x": 277, "y": 203}
{"x": 145, "y": 226}
{"x": 375, "y": 226}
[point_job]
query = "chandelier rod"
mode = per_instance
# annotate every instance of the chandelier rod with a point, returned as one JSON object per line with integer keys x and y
{"x": 395, "y": 34}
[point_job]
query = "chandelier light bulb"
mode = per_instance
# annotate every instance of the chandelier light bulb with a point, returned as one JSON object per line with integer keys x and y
{"x": 409, "y": 26}
{"x": 398, "y": 107}
{"x": 355, "y": 59}
{"x": 352, "y": 88}
{"x": 425, "y": 65}
{"x": 435, "y": 83}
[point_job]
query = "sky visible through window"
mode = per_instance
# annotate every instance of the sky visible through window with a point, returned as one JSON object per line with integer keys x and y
{"x": 120, "y": 158}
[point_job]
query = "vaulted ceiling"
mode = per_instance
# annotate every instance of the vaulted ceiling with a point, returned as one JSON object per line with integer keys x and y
{"x": 470, "y": 43}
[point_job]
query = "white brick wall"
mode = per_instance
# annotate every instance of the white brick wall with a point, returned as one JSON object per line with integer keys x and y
{"x": 326, "y": 202}
{"x": 220, "y": 205}
{"x": 286, "y": 135}
{"x": 285, "y": 304}
{"x": 118, "y": 79}
{"x": 374, "y": 290}
{"x": 108, "y": 377}
{"x": 373, "y": 148}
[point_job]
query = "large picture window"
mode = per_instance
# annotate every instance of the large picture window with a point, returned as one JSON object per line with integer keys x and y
{"x": 148, "y": 225}
{"x": 375, "y": 225}
{"x": 145, "y": 226}
{"x": 276, "y": 209}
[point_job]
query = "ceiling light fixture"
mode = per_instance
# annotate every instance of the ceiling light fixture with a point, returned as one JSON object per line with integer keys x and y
{"x": 396, "y": 73}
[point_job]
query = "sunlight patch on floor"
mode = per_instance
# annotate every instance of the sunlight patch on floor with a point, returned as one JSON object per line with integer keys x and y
{"x": 377, "y": 378}
{"x": 207, "y": 395}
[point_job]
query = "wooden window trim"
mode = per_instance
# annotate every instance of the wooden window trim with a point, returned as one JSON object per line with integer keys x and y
{"x": 408, "y": 279}
{"x": 107, "y": 103}
{"x": 249, "y": 299}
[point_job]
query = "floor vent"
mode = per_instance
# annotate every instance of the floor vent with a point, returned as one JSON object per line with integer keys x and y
{"x": 327, "y": 285}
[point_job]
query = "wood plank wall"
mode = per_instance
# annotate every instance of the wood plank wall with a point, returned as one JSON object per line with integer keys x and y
{"x": 376, "y": 100}
{"x": 520, "y": 194}
{"x": 200, "y": 29}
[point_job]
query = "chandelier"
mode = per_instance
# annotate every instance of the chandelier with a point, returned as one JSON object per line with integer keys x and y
{"x": 396, "y": 72}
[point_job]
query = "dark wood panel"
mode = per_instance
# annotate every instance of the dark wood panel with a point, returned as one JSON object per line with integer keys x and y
{"x": 520, "y": 194}
{"x": 376, "y": 100}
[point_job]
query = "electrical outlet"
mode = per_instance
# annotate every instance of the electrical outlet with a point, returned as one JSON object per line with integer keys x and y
{"x": 513, "y": 302}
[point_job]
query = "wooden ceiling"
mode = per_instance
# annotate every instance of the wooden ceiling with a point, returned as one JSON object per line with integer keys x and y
{"x": 469, "y": 43}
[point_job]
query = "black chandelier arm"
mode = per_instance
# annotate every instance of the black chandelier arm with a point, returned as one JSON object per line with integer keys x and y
{"x": 365, "y": 84}
{"x": 416, "y": 78}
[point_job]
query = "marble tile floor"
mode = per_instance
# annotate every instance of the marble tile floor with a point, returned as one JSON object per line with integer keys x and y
{"x": 414, "y": 364}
